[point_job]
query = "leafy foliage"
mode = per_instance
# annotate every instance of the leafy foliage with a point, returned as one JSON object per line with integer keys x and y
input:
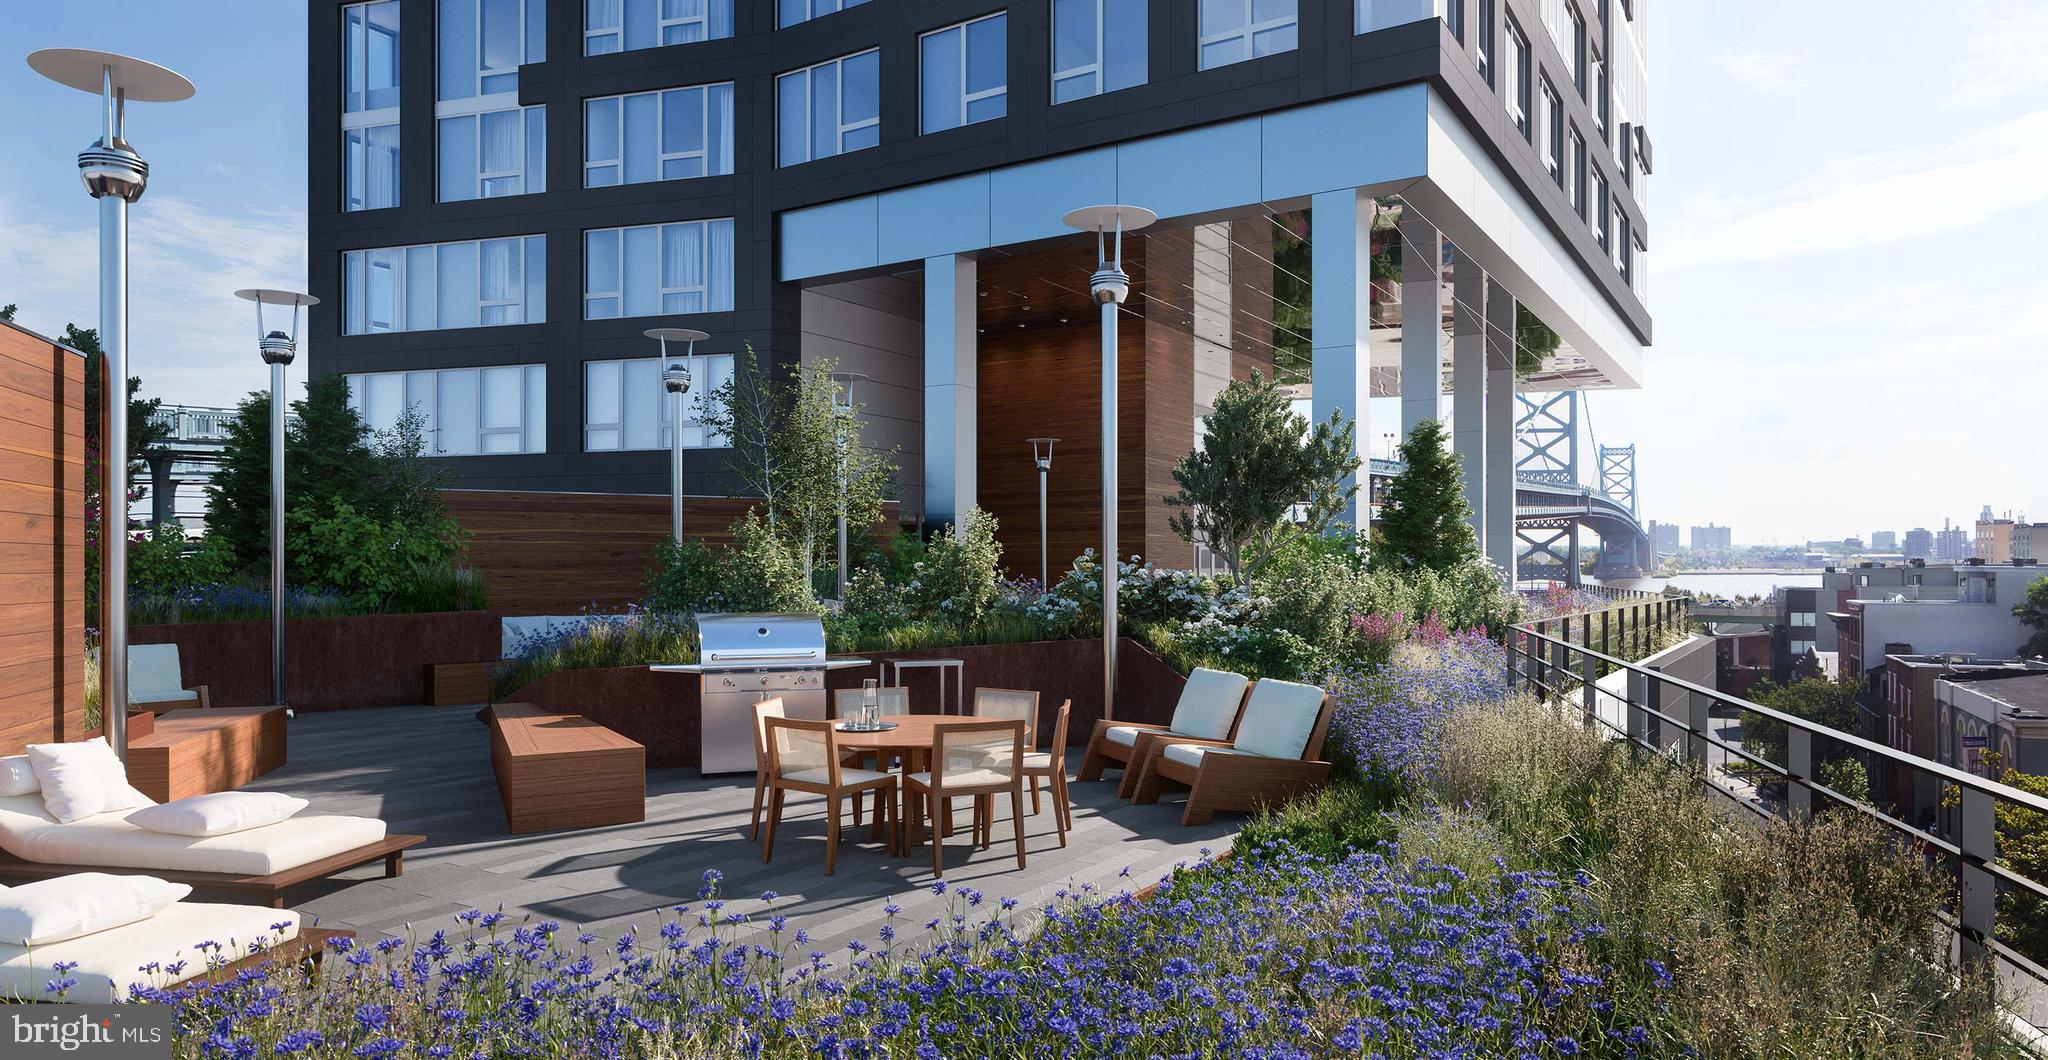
{"x": 1815, "y": 699}
{"x": 1424, "y": 522}
{"x": 960, "y": 575}
{"x": 1259, "y": 462}
{"x": 1535, "y": 342}
{"x": 2033, "y": 610}
{"x": 338, "y": 548}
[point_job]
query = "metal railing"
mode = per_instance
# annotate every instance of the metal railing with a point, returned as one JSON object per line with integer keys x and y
{"x": 1669, "y": 716}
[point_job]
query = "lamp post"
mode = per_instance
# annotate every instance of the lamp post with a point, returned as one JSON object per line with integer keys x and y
{"x": 1109, "y": 286}
{"x": 1041, "y": 455}
{"x": 115, "y": 175}
{"x": 278, "y": 348}
{"x": 842, "y": 403}
{"x": 675, "y": 376}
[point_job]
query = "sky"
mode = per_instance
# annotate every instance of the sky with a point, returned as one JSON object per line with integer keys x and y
{"x": 1845, "y": 226}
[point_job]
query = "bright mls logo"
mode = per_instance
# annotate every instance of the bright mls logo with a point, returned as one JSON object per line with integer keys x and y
{"x": 87, "y": 1032}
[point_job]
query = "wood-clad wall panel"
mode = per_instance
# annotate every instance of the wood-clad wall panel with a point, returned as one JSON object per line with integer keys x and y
{"x": 42, "y": 541}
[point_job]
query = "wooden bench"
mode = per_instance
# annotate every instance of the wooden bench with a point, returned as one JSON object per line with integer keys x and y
{"x": 454, "y": 684}
{"x": 564, "y": 770}
{"x": 199, "y": 752}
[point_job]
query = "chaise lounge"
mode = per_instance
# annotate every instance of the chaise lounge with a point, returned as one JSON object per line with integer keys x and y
{"x": 1275, "y": 755}
{"x": 1208, "y": 709}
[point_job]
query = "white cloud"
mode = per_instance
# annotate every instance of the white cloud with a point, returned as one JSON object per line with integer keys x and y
{"x": 2003, "y": 57}
{"x": 1767, "y": 71}
{"x": 191, "y": 340}
{"x": 1867, "y": 201}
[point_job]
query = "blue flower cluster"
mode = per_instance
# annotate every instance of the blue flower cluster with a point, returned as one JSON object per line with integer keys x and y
{"x": 1388, "y": 717}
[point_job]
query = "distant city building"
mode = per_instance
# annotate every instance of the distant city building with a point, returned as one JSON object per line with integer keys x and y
{"x": 1712, "y": 536}
{"x": 1919, "y": 544}
{"x": 1952, "y": 544}
{"x": 1884, "y": 541}
{"x": 1664, "y": 537}
{"x": 1909, "y": 710}
{"x": 2004, "y": 539}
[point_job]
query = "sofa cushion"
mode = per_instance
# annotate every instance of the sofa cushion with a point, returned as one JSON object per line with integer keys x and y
{"x": 154, "y": 674}
{"x": 221, "y": 813}
{"x": 1208, "y": 704}
{"x": 81, "y": 779}
{"x": 1127, "y": 735}
{"x": 1279, "y": 719}
{"x": 28, "y": 832}
{"x": 107, "y": 963}
{"x": 18, "y": 777}
{"x": 47, "y": 911}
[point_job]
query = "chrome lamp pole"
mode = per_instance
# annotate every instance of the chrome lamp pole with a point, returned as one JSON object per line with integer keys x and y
{"x": 842, "y": 404}
{"x": 115, "y": 175}
{"x": 1109, "y": 286}
{"x": 278, "y": 347}
{"x": 675, "y": 375}
{"x": 1041, "y": 455}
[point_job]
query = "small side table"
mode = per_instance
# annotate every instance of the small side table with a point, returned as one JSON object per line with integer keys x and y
{"x": 892, "y": 674}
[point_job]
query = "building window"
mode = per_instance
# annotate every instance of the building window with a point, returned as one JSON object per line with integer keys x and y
{"x": 963, "y": 77}
{"x": 1484, "y": 47}
{"x": 829, "y": 109}
{"x": 1551, "y": 120}
{"x": 369, "y": 105}
{"x": 1598, "y": 205}
{"x": 1601, "y": 112}
{"x": 790, "y": 12}
{"x": 488, "y": 144}
{"x": 463, "y": 411}
{"x": 1624, "y": 249}
{"x": 625, "y": 406}
{"x": 684, "y": 267}
{"x": 1575, "y": 177}
{"x": 1236, "y": 30}
{"x": 625, "y": 25}
{"x": 445, "y": 285}
{"x": 1515, "y": 64}
{"x": 1097, "y": 46}
{"x": 1575, "y": 54}
{"x": 1383, "y": 14}
{"x": 669, "y": 135}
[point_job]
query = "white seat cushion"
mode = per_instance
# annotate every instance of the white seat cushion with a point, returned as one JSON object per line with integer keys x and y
{"x": 163, "y": 695}
{"x": 1038, "y": 759}
{"x": 221, "y": 813}
{"x": 68, "y": 907}
{"x": 81, "y": 779}
{"x": 110, "y": 962}
{"x": 28, "y": 832}
{"x": 154, "y": 674}
{"x": 824, "y": 776}
{"x": 966, "y": 778}
{"x": 1126, "y": 735}
{"x": 1279, "y": 719}
{"x": 1208, "y": 704}
{"x": 1194, "y": 754}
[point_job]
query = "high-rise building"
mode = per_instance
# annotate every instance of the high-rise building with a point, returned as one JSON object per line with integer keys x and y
{"x": 1884, "y": 541}
{"x": 1712, "y": 536}
{"x": 1952, "y": 544}
{"x": 2004, "y": 538}
{"x": 520, "y": 188}
{"x": 1919, "y": 544}
{"x": 1665, "y": 537}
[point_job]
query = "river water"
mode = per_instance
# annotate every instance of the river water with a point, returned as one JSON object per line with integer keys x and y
{"x": 1724, "y": 583}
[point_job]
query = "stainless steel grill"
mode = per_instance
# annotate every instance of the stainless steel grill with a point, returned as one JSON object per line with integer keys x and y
{"x": 748, "y": 658}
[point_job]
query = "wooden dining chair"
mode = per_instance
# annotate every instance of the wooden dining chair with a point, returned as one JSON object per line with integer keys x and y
{"x": 972, "y": 759}
{"x": 893, "y": 699}
{"x": 1051, "y": 766}
{"x": 1016, "y": 705}
{"x": 765, "y": 709}
{"x": 804, "y": 756}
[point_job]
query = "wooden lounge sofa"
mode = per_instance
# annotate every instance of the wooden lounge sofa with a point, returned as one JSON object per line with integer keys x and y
{"x": 199, "y": 752}
{"x": 1208, "y": 709}
{"x": 1276, "y": 754}
{"x": 564, "y": 770}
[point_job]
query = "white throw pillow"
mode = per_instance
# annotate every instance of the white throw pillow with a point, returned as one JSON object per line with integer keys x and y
{"x": 17, "y": 776}
{"x": 47, "y": 911}
{"x": 1208, "y": 704}
{"x": 221, "y": 813}
{"x": 82, "y": 779}
{"x": 1279, "y": 718}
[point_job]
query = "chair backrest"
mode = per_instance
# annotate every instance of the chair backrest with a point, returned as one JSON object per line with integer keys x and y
{"x": 154, "y": 668}
{"x": 1209, "y": 704}
{"x": 973, "y": 749}
{"x": 1013, "y": 704}
{"x": 893, "y": 699}
{"x": 1282, "y": 719}
{"x": 797, "y": 745}
{"x": 1059, "y": 730}
{"x": 768, "y": 708}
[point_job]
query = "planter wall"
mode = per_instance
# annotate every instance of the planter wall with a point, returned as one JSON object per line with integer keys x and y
{"x": 660, "y": 710}
{"x": 330, "y": 663}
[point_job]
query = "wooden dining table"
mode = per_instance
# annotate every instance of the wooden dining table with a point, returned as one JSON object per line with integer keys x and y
{"x": 911, "y": 741}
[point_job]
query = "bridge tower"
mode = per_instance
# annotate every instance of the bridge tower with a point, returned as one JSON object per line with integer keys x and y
{"x": 1618, "y": 475}
{"x": 1547, "y": 452}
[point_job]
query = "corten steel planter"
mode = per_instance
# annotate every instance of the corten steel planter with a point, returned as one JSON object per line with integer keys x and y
{"x": 660, "y": 710}
{"x": 331, "y": 663}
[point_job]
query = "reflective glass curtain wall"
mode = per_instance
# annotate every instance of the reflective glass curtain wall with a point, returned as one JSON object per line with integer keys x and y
{"x": 488, "y": 145}
{"x": 369, "y": 105}
{"x": 1098, "y": 46}
{"x": 626, "y": 25}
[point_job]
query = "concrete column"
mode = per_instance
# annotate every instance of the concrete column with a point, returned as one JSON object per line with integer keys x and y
{"x": 1468, "y": 380}
{"x": 1422, "y": 355}
{"x": 1500, "y": 427}
{"x": 1340, "y": 248}
{"x": 949, "y": 388}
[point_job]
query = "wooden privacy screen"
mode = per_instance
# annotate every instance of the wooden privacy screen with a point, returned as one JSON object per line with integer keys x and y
{"x": 42, "y": 541}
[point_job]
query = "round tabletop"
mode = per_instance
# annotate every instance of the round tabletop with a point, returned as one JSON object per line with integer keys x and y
{"x": 911, "y": 731}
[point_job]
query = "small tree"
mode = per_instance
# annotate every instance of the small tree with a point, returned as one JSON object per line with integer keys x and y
{"x": 1259, "y": 461}
{"x": 2034, "y": 612}
{"x": 328, "y": 461}
{"x": 960, "y": 575}
{"x": 1425, "y": 523}
{"x": 1814, "y": 699}
{"x": 746, "y": 410}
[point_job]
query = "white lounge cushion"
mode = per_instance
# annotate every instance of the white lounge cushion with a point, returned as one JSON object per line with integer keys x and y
{"x": 965, "y": 778}
{"x": 110, "y": 962}
{"x": 81, "y": 779}
{"x": 1208, "y": 704}
{"x": 164, "y": 695}
{"x": 1279, "y": 719}
{"x": 1194, "y": 754}
{"x": 28, "y": 832}
{"x": 846, "y": 776}
{"x": 154, "y": 674}
{"x": 47, "y": 911}
{"x": 221, "y": 813}
{"x": 1126, "y": 735}
{"x": 18, "y": 777}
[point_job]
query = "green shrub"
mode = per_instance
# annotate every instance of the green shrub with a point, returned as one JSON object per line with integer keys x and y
{"x": 637, "y": 639}
{"x": 1352, "y": 813}
{"x": 960, "y": 575}
{"x": 761, "y": 574}
{"x": 369, "y": 559}
{"x": 686, "y": 578}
